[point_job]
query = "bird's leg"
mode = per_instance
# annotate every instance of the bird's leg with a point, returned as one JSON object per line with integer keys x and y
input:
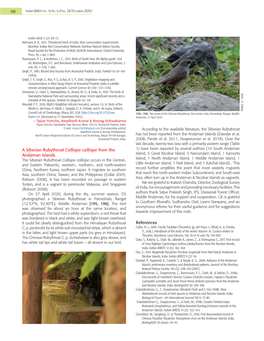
{"x": 69, "y": 302}
{"x": 171, "y": 94}
{"x": 166, "y": 92}
{"x": 74, "y": 302}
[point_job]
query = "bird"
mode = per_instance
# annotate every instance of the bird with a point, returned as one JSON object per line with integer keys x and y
{"x": 72, "y": 289}
{"x": 177, "y": 76}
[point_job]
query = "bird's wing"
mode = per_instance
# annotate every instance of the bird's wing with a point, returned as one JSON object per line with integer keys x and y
{"x": 163, "y": 79}
{"x": 172, "y": 78}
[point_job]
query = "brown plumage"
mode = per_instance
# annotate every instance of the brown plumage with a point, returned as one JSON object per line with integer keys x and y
{"x": 72, "y": 289}
{"x": 177, "y": 76}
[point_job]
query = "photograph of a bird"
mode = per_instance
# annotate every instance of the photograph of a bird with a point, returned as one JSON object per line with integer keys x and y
{"x": 177, "y": 76}
{"x": 72, "y": 289}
